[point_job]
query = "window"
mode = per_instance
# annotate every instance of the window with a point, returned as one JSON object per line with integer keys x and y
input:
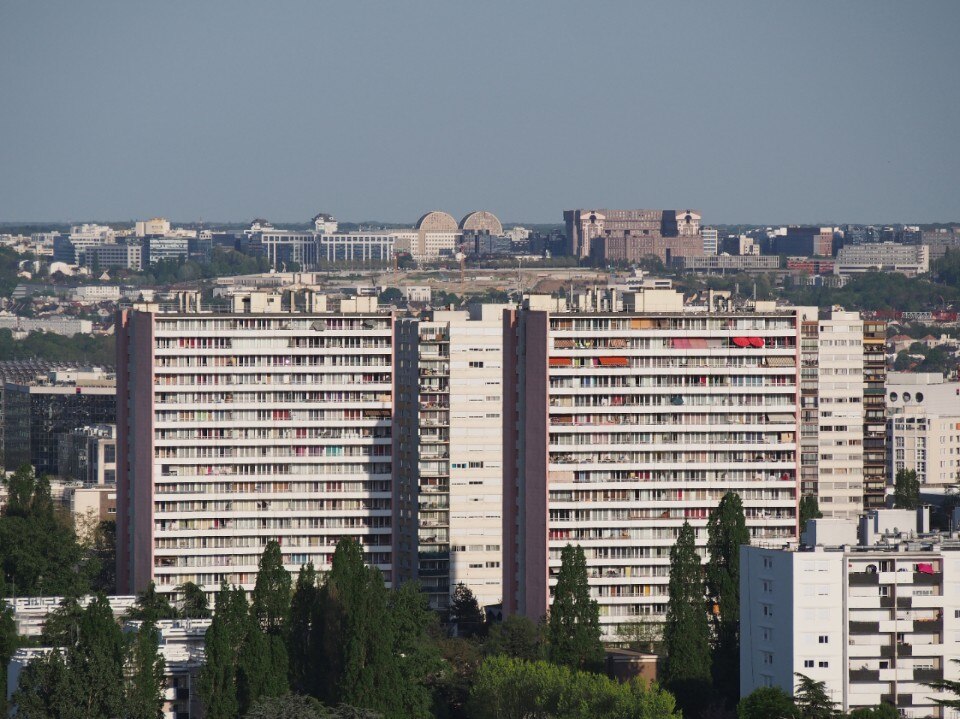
{"x": 823, "y": 665}
{"x": 823, "y": 639}
{"x": 808, "y": 663}
{"x": 476, "y": 364}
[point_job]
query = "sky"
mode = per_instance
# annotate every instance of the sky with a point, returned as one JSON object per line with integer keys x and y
{"x": 752, "y": 112}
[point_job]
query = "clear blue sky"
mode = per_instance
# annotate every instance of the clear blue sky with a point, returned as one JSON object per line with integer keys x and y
{"x": 765, "y": 111}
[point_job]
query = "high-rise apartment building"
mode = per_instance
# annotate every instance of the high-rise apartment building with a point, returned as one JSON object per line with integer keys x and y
{"x": 268, "y": 421}
{"x": 448, "y": 453}
{"x": 627, "y": 415}
{"x": 711, "y": 240}
{"x": 832, "y": 410}
{"x": 874, "y": 414}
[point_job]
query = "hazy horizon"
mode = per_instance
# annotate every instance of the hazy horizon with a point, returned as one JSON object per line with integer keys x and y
{"x": 771, "y": 112}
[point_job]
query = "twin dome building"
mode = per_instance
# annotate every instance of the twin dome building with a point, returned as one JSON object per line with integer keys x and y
{"x": 479, "y": 221}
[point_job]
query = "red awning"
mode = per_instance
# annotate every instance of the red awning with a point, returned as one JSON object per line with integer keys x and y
{"x": 741, "y": 341}
{"x": 925, "y": 568}
{"x": 757, "y": 342}
{"x": 614, "y": 362}
{"x": 561, "y": 361}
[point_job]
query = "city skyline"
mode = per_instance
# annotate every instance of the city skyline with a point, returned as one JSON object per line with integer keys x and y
{"x": 289, "y": 109}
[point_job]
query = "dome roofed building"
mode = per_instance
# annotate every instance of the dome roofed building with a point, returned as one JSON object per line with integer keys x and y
{"x": 482, "y": 221}
{"x": 437, "y": 221}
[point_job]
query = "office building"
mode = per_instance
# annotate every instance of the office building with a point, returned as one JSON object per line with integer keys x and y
{"x": 270, "y": 421}
{"x": 720, "y": 264}
{"x": 109, "y": 256}
{"x": 711, "y": 240}
{"x": 875, "y": 623}
{"x": 449, "y": 454}
{"x": 923, "y": 427}
{"x": 156, "y": 227}
{"x": 910, "y": 260}
{"x": 803, "y": 242}
{"x": 436, "y": 234}
{"x": 832, "y": 410}
{"x": 623, "y": 235}
{"x": 366, "y": 247}
{"x": 627, "y": 415}
{"x": 156, "y": 249}
{"x": 88, "y": 454}
{"x": 38, "y": 413}
{"x": 940, "y": 241}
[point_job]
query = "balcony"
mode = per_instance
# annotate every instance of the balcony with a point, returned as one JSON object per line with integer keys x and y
{"x": 864, "y": 675}
{"x": 926, "y": 676}
{"x": 927, "y": 580}
{"x": 864, "y": 579}
{"x": 864, "y": 627}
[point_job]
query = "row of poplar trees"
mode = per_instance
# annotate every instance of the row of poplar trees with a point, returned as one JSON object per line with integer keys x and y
{"x": 701, "y": 636}
{"x": 344, "y": 639}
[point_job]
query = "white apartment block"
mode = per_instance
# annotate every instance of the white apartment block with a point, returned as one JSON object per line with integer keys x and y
{"x": 155, "y": 226}
{"x": 711, "y": 240}
{"x": 270, "y": 421}
{"x": 923, "y": 427}
{"x": 628, "y": 415}
{"x": 832, "y": 410}
{"x": 449, "y": 453}
{"x": 873, "y": 623}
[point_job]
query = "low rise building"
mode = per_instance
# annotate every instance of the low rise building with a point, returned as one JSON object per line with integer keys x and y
{"x": 910, "y": 260}
{"x": 713, "y": 264}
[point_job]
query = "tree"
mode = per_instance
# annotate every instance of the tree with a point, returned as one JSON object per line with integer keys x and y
{"x": 414, "y": 653}
{"x": 767, "y": 703}
{"x": 62, "y": 627}
{"x": 42, "y": 692}
{"x": 811, "y": 699}
{"x": 947, "y": 685}
{"x": 288, "y": 706}
{"x": 8, "y": 645}
{"x": 573, "y": 627}
{"x": 641, "y": 634}
{"x": 686, "y": 633}
{"x": 151, "y": 606}
{"x": 516, "y": 636}
{"x": 358, "y": 667}
{"x": 223, "y": 643}
{"x": 465, "y": 612}
{"x": 906, "y": 490}
{"x": 271, "y": 594}
{"x": 145, "y": 675}
{"x": 809, "y": 509}
{"x": 506, "y": 688}
{"x": 264, "y": 666}
{"x": 303, "y": 643}
{"x": 726, "y": 533}
{"x": 193, "y": 601}
{"x": 95, "y": 663}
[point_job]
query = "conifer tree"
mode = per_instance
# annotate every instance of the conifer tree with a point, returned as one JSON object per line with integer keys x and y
{"x": 465, "y": 613}
{"x": 271, "y": 594}
{"x": 416, "y": 656}
{"x": 151, "y": 606}
{"x": 686, "y": 633}
{"x": 304, "y": 637}
{"x": 809, "y": 509}
{"x": 95, "y": 663}
{"x": 573, "y": 628}
{"x": 145, "y": 675}
{"x": 193, "y": 602}
{"x": 223, "y": 644}
{"x": 812, "y": 700}
{"x": 8, "y": 645}
{"x": 906, "y": 490}
{"x": 726, "y": 532}
{"x": 264, "y": 666}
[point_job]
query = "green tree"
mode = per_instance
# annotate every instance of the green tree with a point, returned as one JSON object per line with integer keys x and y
{"x": 465, "y": 613}
{"x": 415, "y": 655}
{"x": 304, "y": 637}
{"x": 906, "y": 490}
{"x": 767, "y": 703}
{"x": 809, "y": 509}
{"x": 62, "y": 627}
{"x": 686, "y": 633}
{"x": 43, "y": 690}
{"x": 95, "y": 663}
{"x": 812, "y": 700}
{"x": 9, "y": 641}
{"x": 947, "y": 685}
{"x": 193, "y": 601}
{"x": 507, "y": 688}
{"x": 145, "y": 678}
{"x": 358, "y": 667}
{"x": 516, "y": 636}
{"x": 151, "y": 606}
{"x": 641, "y": 635}
{"x": 573, "y": 627}
{"x": 264, "y": 666}
{"x": 223, "y": 644}
{"x": 39, "y": 552}
{"x": 726, "y": 533}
